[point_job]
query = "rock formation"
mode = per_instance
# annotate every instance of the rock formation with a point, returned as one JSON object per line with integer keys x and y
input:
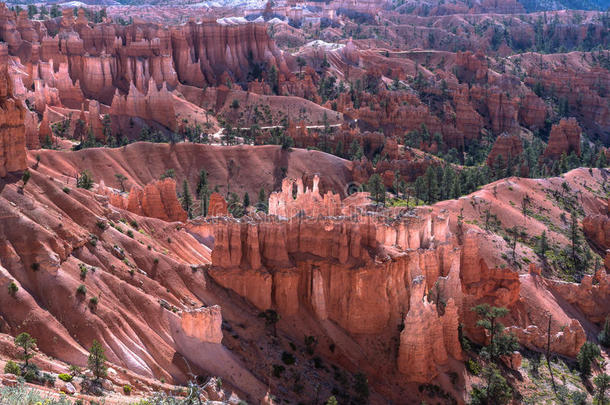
{"x": 286, "y": 203}
{"x": 218, "y": 206}
{"x": 12, "y": 118}
{"x": 564, "y": 138}
{"x": 509, "y": 147}
{"x": 203, "y": 324}
{"x": 156, "y": 200}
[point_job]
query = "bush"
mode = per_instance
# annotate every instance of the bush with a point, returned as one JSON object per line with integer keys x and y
{"x": 83, "y": 271}
{"x": 127, "y": 389}
{"x": 65, "y": 377}
{"x": 84, "y": 180}
{"x": 473, "y": 367}
{"x": 12, "y": 368}
{"x": 66, "y": 190}
{"x": 288, "y": 358}
{"x": 12, "y": 288}
{"x": 497, "y": 390}
{"x": 101, "y": 224}
{"x": 93, "y": 301}
{"x": 31, "y": 373}
{"x": 361, "y": 386}
{"x": 81, "y": 289}
{"x": 130, "y": 233}
{"x": 604, "y": 335}
{"x": 35, "y": 266}
{"x": 587, "y": 354}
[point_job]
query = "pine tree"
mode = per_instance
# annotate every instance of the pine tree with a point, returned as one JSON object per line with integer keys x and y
{"x": 604, "y": 335}
{"x": 25, "y": 177}
{"x": 204, "y": 200}
{"x": 376, "y": 188}
{"x": 602, "y": 382}
{"x": 355, "y": 150}
{"x": 500, "y": 343}
{"x": 420, "y": 189}
{"x": 186, "y": 198}
{"x": 575, "y": 240}
{"x": 97, "y": 361}
{"x": 121, "y": 179}
{"x": 456, "y": 188}
{"x": 262, "y": 201}
{"x": 543, "y": 245}
{"x": 27, "y": 343}
{"x": 202, "y": 182}
{"x": 431, "y": 185}
{"x": 246, "y": 202}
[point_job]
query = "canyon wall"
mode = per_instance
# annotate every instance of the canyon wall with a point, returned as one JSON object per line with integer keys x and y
{"x": 12, "y": 127}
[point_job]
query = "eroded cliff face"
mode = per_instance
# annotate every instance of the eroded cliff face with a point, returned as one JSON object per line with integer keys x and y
{"x": 410, "y": 278}
{"x": 564, "y": 139}
{"x": 156, "y": 200}
{"x": 134, "y": 68}
{"x": 12, "y": 122}
{"x": 307, "y": 201}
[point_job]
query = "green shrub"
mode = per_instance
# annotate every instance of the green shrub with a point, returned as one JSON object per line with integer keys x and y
{"x": 65, "y": 377}
{"x": 66, "y": 190}
{"x": 31, "y": 373}
{"x": 101, "y": 224}
{"x": 12, "y": 368}
{"x": 473, "y": 367}
{"x": 604, "y": 335}
{"x": 12, "y": 288}
{"x": 497, "y": 390}
{"x": 130, "y": 233}
{"x": 127, "y": 389}
{"x": 288, "y": 358}
{"x": 93, "y": 301}
{"x": 278, "y": 369}
{"x": 587, "y": 354}
{"x": 83, "y": 271}
{"x": 84, "y": 180}
{"x": 81, "y": 289}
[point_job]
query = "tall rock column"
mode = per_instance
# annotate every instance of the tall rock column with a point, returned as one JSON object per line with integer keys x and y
{"x": 12, "y": 127}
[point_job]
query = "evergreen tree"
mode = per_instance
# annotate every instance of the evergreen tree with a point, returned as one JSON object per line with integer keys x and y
{"x": 420, "y": 189}
{"x": 204, "y": 200}
{"x": 500, "y": 343}
{"x": 431, "y": 185}
{"x": 25, "y": 177}
{"x": 543, "y": 246}
{"x": 107, "y": 128}
{"x": 97, "y": 361}
{"x": 496, "y": 391}
{"x": 602, "y": 382}
{"x": 575, "y": 241}
{"x": 202, "y": 182}
{"x": 262, "y": 201}
{"x": 376, "y": 188}
{"x": 246, "y": 202}
{"x": 355, "y": 150}
{"x": 587, "y": 355}
{"x": 27, "y": 343}
{"x": 121, "y": 179}
{"x": 456, "y": 188}
{"x": 84, "y": 180}
{"x": 186, "y": 199}
{"x": 604, "y": 335}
